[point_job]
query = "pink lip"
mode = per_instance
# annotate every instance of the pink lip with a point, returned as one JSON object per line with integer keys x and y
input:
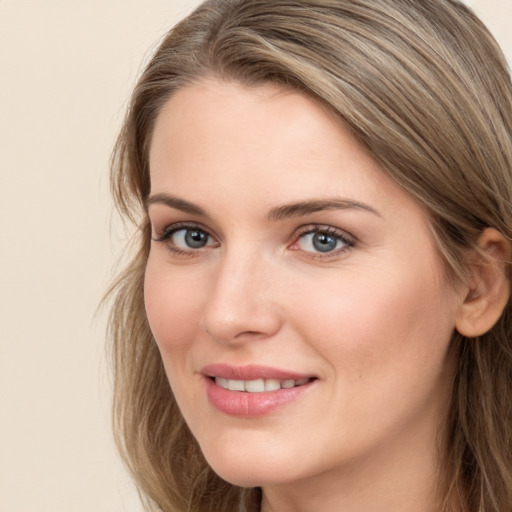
{"x": 249, "y": 372}
{"x": 250, "y": 405}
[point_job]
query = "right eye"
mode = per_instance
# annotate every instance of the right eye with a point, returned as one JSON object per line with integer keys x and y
{"x": 186, "y": 239}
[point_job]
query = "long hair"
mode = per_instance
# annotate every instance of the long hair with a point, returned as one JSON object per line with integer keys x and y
{"x": 423, "y": 86}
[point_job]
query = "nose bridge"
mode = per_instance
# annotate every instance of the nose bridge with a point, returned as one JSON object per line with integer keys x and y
{"x": 240, "y": 304}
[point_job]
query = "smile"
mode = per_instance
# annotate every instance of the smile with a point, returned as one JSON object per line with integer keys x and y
{"x": 254, "y": 391}
{"x": 259, "y": 385}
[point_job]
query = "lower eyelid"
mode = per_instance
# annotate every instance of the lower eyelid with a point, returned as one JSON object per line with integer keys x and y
{"x": 347, "y": 242}
{"x": 179, "y": 248}
{"x": 164, "y": 235}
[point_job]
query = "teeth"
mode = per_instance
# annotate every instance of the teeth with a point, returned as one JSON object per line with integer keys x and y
{"x": 255, "y": 386}
{"x": 259, "y": 385}
{"x": 272, "y": 385}
{"x": 236, "y": 385}
{"x": 223, "y": 383}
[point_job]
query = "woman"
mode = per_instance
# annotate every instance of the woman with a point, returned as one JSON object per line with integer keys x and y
{"x": 323, "y": 194}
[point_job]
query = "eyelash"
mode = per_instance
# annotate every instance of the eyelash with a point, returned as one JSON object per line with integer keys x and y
{"x": 348, "y": 241}
{"x": 168, "y": 232}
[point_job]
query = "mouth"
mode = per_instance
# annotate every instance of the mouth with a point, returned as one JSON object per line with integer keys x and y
{"x": 259, "y": 385}
{"x": 254, "y": 391}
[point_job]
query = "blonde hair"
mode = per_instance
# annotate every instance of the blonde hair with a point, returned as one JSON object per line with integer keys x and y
{"x": 425, "y": 88}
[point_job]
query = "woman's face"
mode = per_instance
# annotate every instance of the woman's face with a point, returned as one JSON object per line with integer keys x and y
{"x": 288, "y": 268}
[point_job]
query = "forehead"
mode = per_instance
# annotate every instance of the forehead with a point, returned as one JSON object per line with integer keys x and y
{"x": 227, "y": 113}
{"x": 264, "y": 144}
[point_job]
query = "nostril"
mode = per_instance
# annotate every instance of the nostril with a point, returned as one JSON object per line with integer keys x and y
{"x": 250, "y": 334}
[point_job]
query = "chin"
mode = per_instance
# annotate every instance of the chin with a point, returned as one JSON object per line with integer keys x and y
{"x": 250, "y": 476}
{"x": 253, "y": 468}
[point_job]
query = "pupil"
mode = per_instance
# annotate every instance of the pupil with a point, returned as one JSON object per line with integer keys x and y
{"x": 196, "y": 239}
{"x": 323, "y": 242}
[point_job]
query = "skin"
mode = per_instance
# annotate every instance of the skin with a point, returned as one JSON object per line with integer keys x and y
{"x": 371, "y": 320}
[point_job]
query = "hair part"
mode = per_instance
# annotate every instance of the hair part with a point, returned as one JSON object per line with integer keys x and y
{"x": 424, "y": 87}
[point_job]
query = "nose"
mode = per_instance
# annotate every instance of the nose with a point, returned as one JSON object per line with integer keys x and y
{"x": 242, "y": 305}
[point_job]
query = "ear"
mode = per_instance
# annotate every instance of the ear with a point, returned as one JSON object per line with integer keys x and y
{"x": 488, "y": 286}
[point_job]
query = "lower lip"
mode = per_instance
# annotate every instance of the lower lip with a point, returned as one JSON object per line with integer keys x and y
{"x": 250, "y": 405}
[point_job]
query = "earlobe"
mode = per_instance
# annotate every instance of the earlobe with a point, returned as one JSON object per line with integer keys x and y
{"x": 488, "y": 287}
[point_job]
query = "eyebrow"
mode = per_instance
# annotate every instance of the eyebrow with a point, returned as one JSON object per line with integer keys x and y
{"x": 176, "y": 203}
{"x": 277, "y": 213}
{"x": 317, "y": 205}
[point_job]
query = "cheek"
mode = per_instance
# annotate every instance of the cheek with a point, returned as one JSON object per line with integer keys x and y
{"x": 172, "y": 307}
{"x": 385, "y": 342}
{"x": 378, "y": 321}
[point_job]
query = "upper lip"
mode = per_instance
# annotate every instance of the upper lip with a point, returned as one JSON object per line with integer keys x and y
{"x": 250, "y": 372}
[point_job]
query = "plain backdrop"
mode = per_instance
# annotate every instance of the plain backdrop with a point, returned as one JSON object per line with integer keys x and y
{"x": 66, "y": 71}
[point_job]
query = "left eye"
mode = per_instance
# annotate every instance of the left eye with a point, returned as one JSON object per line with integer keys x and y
{"x": 321, "y": 241}
{"x": 190, "y": 238}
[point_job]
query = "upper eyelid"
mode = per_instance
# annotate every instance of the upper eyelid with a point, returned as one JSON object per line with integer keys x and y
{"x": 299, "y": 231}
{"x": 348, "y": 240}
{"x": 312, "y": 228}
{"x": 176, "y": 226}
{"x": 166, "y": 235}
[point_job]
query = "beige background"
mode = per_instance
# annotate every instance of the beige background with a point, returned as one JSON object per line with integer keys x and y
{"x": 66, "y": 69}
